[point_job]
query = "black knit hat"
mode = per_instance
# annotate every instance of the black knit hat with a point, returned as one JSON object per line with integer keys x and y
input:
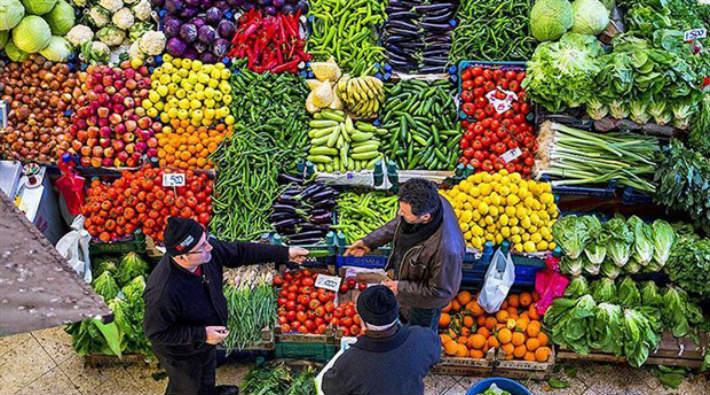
{"x": 377, "y": 306}
{"x": 181, "y": 235}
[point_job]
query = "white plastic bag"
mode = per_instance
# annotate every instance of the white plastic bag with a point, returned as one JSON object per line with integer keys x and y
{"x": 500, "y": 276}
{"x": 74, "y": 246}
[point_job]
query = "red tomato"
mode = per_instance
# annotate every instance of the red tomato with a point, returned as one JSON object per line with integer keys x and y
{"x": 362, "y": 285}
{"x": 301, "y": 316}
{"x": 464, "y": 144}
{"x": 307, "y": 282}
{"x": 321, "y": 329}
{"x": 488, "y": 74}
{"x": 302, "y": 329}
{"x": 310, "y": 325}
{"x": 291, "y": 315}
{"x": 338, "y": 312}
{"x": 329, "y": 307}
{"x": 319, "y": 311}
{"x": 346, "y": 321}
{"x": 478, "y": 81}
{"x": 285, "y": 328}
{"x": 291, "y": 296}
{"x": 313, "y": 304}
{"x": 510, "y": 74}
{"x": 282, "y": 301}
{"x": 476, "y": 71}
{"x": 468, "y": 108}
{"x": 467, "y": 96}
{"x": 282, "y": 320}
{"x": 349, "y": 311}
{"x": 466, "y": 74}
{"x": 354, "y": 330}
{"x": 323, "y": 297}
{"x": 351, "y": 283}
{"x": 304, "y": 300}
{"x": 468, "y": 85}
{"x": 343, "y": 288}
{"x": 478, "y": 93}
{"x": 346, "y": 332}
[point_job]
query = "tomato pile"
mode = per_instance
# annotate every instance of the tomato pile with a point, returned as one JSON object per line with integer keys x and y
{"x": 305, "y": 309}
{"x": 488, "y": 134}
{"x": 138, "y": 200}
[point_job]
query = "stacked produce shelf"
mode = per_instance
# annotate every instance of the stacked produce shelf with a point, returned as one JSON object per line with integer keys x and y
{"x": 295, "y": 122}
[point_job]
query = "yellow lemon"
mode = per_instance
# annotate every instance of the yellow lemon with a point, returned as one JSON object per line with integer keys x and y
{"x": 516, "y": 239}
{"x": 493, "y": 211}
{"x": 529, "y": 246}
{"x": 536, "y": 237}
{"x": 542, "y": 246}
{"x": 503, "y": 220}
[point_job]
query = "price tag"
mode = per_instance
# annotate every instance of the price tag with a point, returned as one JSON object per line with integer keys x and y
{"x": 331, "y": 283}
{"x": 3, "y": 114}
{"x": 510, "y": 155}
{"x": 695, "y": 34}
{"x": 501, "y": 105}
{"x": 174, "y": 179}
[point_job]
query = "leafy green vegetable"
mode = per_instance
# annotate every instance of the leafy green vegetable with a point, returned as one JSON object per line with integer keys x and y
{"x": 577, "y": 287}
{"x": 58, "y": 49}
{"x": 689, "y": 264}
{"x": 639, "y": 337}
{"x": 674, "y": 311}
{"x": 596, "y": 248}
{"x": 105, "y": 286}
{"x": 669, "y": 377}
{"x": 11, "y": 13}
{"x": 562, "y": 74}
{"x": 605, "y": 332}
{"x": 628, "y": 293}
{"x": 91, "y": 336}
{"x": 643, "y": 240}
{"x": 103, "y": 264}
{"x": 604, "y": 290}
{"x": 571, "y": 267}
{"x": 610, "y": 270}
{"x": 61, "y": 18}
{"x": 131, "y": 266}
{"x": 572, "y": 234}
{"x": 620, "y": 240}
{"x": 650, "y": 294}
{"x": 569, "y": 325}
{"x": 32, "y": 34}
{"x": 550, "y": 19}
{"x": 557, "y": 383}
{"x": 663, "y": 239}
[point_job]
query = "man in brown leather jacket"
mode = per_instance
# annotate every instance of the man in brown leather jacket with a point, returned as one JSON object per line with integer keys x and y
{"x": 427, "y": 251}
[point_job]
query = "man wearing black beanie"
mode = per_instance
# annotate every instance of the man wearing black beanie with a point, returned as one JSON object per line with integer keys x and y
{"x": 428, "y": 249}
{"x": 185, "y": 309}
{"x": 389, "y": 358}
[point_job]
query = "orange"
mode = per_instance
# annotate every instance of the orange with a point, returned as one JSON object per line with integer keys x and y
{"x": 532, "y": 344}
{"x": 519, "y": 351}
{"x": 455, "y": 305}
{"x": 477, "y": 354}
{"x": 514, "y": 300}
{"x": 451, "y": 348}
{"x": 493, "y": 342}
{"x": 463, "y": 340}
{"x": 465, "y": 331}
{"x": 453, "y": 334}
{"x": 512, "y": 312}
{"x": 499, "y": 327}
{"x": 521, "y": 325}
{"x": 505, "y": 336}
{"x": 502, "y": 316}
{"x": 476, "y": 309}
{"x": 524, "y": 314}
{"x": 477, "y": 341}
{"x": 525, "y": 299}
{"x": 469, "y": 306}
{"x": 468, "y": 321}
{"x": 444, "y": 338}
{"x": 464, "y": 297}
{"x": 518, "y": 339}
{"x": 483, "y": 331}
{"x": 542, "y": 354}
{"x": 447, "y": 308}
{"x": 508, "y": 349}
{"x": 444, "y": 320}
{"x": 504, "y": 305}
{"x": 532, "y": 313}
{"x": 462, "y": 351}
{"x": 481, "y": 321}
{"x": 535, "y": 296}
{"x": 533, "y": 328}
{"x": 542, "y": 337}
{"x": 529, "y": 356}
{"x": 491, "y": 323}
{"x": 511, "y": 323}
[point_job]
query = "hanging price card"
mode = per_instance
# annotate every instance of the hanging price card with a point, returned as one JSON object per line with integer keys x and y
{"x": 174, "y": 179}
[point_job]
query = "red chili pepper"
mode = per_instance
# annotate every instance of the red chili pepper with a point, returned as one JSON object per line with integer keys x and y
{"x": 286, "y": 66}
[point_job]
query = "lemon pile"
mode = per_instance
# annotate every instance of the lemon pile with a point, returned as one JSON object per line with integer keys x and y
{"x": 503, "y": 206}
{"x": 188, "y": 91}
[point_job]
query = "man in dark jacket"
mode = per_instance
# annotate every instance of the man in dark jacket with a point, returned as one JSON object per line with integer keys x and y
{"x": 185, "y": 309}
{"x": 428, "y": 249}
{"x": 389, "y": 358}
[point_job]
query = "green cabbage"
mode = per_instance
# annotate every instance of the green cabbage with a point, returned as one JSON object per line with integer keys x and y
{"x": 590, "y": 17}
{"x": 628, "y": 294}
{"x": 571, "y": 233}
{"x": 605, "y": 331}
{"x": 61, "y": 18}
{"x": 32, "y": 34}
{"x": 620, "y": 241}
{"x": 3, "y": 39}
{"x": 550, "y": 19}
{"x": 131, "y": 266}
{"x": 38, "y": 7}
{"x": 105, "y": 286}
{"x": 577, "y": 287}
{"x": 604, "y": 290}
{"x": 58, "y": 49}
{"x": 14, "y": 53}
{"x": 663, "y": 238}
{"x": 11, "y": 13}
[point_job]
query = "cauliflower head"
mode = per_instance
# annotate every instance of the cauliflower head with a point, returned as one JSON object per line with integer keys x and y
{"x": 111, "y": 5}
{"x": 79, "y": 34}
{"x": 152, "y": 43}
{"x": 111, "y": 35}
{"x": 123, "y": 19}
{"x": 142, "y": 10}
{"x": 99, "y": 16}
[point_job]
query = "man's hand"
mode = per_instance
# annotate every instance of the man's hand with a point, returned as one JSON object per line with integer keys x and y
{"x": 297, "y": 254}
{"x": 392, "y": 285}
{"x": 358, "y": 249}
{"x": 216, "y": 334}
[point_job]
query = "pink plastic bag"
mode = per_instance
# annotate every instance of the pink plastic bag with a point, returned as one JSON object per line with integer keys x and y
{"x": 549, "y": 284}
{"x": 71, "y": 186}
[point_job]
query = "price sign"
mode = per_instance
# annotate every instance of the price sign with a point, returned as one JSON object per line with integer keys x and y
{"x": 510, "y": 155}
{"x": 3, "y": 114}
{"x": 501, "y": 105}
{"x": 331, "y": 283}
{"x": 695, "y": 34}
{"x": 174, "y": 179}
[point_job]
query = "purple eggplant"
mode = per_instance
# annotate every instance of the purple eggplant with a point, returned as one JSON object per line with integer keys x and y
{"x": 191, "y": 54}
{"x": 213, "y": 15}
{"x": 226, "y": 29}
{"x": 284, "y": 207}
{"x": 188, "y": 13}
{"x": 325, "y": 203}
{"x": 287, "y": 222}
{"x": 304, "y": 242}
{"x": 287, "y": 179}
{"x": 286, "y": 200}
{"x": 322, "y": 195}
{"x": 436, "y": 26}
{"x": 322, "y": 219}
{"x": 312, "y": 190}
{"x": 206, "y": 34}
{"x": 188, "y": 32}
{"x": 319, "y": 211}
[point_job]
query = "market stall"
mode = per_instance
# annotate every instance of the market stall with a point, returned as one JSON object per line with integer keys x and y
{"x": 294, "y": 122}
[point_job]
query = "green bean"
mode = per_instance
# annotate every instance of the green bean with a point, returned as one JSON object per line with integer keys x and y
{"x": 360, "y": 214}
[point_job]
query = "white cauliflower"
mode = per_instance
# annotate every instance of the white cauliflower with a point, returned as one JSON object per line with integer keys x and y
{"x": 152, "y": 43}
{"x": 142, "y": 10}
{"x": 111, "y": 35}
{"x": 79, "y": 34}
{"x": 111, "y": 5}
{"x": 134, "y": 52}
{"x": 99, "y": 16}
{"x": 123, "y": 19}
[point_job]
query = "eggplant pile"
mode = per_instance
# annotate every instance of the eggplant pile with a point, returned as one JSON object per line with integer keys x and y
{"x": 417, "y": 35}
{"x": 303, "y": 213}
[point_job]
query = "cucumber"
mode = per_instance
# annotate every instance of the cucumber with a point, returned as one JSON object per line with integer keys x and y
{"x": 360, "y": 136}
{"x": 322, "y": 123}
{"x": 333, "y": 138}
{"x": 333, "y": 115}
{"x": 317, "y": 133}
{"x": 323, "y": 151}
{"x": 365, "y": 155}
{"x": 365, "y": 148}
{"x": 365, "y": 127}
{"x": 319, "y": 158}
{"x": 321, "y": 141}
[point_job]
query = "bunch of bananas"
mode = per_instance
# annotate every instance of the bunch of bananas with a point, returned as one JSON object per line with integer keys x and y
{"x": 362, "y": 95}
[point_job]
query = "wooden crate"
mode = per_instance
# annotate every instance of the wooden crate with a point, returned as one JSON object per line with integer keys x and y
{"x": 465, "y": 366}
{"x": 517, "y": 369}
{"x": 671, "y": 351}
{"x": 266, "y": 343}
{"x": 295, "y": 337}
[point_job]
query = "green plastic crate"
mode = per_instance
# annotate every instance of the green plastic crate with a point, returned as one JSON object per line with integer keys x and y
{"x": 136, "y": 244}
{"x": 319, "y": 352}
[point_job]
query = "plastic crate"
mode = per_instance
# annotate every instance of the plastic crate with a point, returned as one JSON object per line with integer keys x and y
{"x": 319, "y": 352}
{"x": 607, "y": 193}
{"x": 474, "y": 258}
{"x": 509, "y": 385}
{"x": 632, "y": 197}
{"x": 136, "y": 244}
{"x": 376, "y": 260}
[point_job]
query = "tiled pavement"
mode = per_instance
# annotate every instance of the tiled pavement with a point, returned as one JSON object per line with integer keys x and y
{"x": 43, "y": 362}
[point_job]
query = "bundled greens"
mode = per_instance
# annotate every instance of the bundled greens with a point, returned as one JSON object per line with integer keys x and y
{"x": 561, "y": 74}
{"x": 572, "y": 156}
{"x": 278, "y": 379}
{"x": 689, "y": 264}
{"x": 131, "y": 265}
{"x": 105, "y": 286}
{"x": 620, "y": 240}
{"x": 620, "y": 318}
{"x": 643, "y": 240}
{"x": 571, "y": 233}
